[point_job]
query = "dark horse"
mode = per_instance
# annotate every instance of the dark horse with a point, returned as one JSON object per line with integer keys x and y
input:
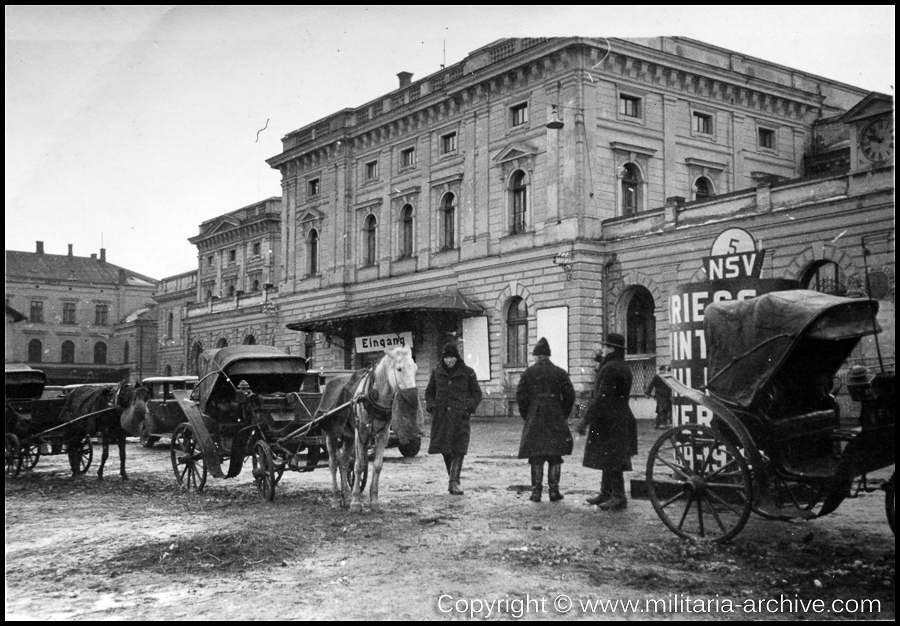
{"x": 90, "y": 411}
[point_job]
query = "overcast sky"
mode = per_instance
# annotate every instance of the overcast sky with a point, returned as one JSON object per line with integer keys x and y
{"x": 126, "y": 127}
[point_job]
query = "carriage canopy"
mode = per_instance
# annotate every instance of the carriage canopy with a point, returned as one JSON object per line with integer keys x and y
{"x": 265, "y": 368}
{"x": 798, "y": 337}
{"x": 23, "y": 382}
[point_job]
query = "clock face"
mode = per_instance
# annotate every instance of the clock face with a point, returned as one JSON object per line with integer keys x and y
{"x": 877, "y": 140}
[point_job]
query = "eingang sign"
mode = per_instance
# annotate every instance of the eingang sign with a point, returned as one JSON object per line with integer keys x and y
{"x": 377, "y": 343}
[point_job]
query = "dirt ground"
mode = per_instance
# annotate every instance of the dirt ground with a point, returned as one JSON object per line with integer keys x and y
{"x": 141, "y": 549}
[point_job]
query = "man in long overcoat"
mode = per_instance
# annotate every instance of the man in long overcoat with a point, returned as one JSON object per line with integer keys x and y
{"x": 451, "y": 398}
{"x": 663, "y": 394}
{"x": 545, "y": 397}
{"x": 612, "y": 439}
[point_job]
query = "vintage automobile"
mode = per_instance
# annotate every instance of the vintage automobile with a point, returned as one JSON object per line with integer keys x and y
{"x": 163, "y": 412}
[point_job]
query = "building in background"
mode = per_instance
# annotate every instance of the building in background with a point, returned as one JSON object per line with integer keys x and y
{"x": 173, "y": 295}
{"x": 565, "y": 188}
{"x": 73, "y": 306}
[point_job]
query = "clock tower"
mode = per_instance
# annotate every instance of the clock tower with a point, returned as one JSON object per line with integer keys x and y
{"x": 871, "y": 124}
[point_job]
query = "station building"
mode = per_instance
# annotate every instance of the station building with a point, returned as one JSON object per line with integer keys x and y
{"x": 561, "y": 187}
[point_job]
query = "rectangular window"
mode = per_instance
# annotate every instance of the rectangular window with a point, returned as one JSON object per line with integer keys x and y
{"x": 371, "y": 170}
{"x": 629, "y": 106}
{"x": 210, "y": 260}
{"x": 37, "y": 312}
{"x": 232, "y": 256}
{"x": 766, "y": 138}
{"x": 312, "y": 187}
{"x": 448, "y": 143}
{"x": 408, "y": 157}
{"x": 519, "y": 114}
{"x": 703, "y": 124}
{"x": 68, "y": 313}
{"x": 256, "y": 249}
{"x": 101, "y": 315}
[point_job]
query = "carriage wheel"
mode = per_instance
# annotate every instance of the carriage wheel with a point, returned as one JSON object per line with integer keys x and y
{"x": 187, "y": 459}
{"x": 147, "y": 440}
{"x": 699, "y": 484}
{"x": 13, "y": 456}
{"x": 264, "y": 470}
{"x": 85, "y": 454}
{"x": 889, "y": 502}
{"x": 31, "y": 453}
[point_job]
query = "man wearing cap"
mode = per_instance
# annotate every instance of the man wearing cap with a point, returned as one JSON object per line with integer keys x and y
{"x": 663, "y": 399}
{"x": 612, "y": 438}
{"x": 545, "y": 396}
{"x": 451, "y": 398}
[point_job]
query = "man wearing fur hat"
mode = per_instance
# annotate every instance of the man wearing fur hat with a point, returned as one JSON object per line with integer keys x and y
{"x": 451, "y": 398}
{"x": 612, "y": 439}
{"x": 545, "y": 397}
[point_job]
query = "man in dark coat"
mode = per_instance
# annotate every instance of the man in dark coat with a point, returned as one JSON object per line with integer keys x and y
{"x": 545, "y": 397}
{"x": 451, "y": 398}
{"x": 663, "y": 399}
{"x": 612, "y": 439}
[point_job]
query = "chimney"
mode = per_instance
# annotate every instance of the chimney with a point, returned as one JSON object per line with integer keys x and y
{"x": 70, "y": 249}
{"x": 405, "y": 79}
{"x": 40, "y": 247}
{"x": 93, "y": 256}
{"x": 103, "y": 255}
{"x": 121, "y": 276}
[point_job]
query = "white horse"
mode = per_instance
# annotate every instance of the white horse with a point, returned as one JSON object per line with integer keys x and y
{"x": 380, "y": 395}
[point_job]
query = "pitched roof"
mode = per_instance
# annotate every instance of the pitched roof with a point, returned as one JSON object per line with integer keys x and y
{"x": 59, "y": 267}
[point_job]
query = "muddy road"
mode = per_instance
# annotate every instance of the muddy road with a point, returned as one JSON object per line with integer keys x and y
{"x": 141, "y": 549}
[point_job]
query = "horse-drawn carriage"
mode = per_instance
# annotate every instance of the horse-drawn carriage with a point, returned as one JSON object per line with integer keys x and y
{"x": 36, "y": 426}
{"x": 776, "y": 443}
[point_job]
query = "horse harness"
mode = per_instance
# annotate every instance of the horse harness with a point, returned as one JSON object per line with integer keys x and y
{"x": 368, "y": 397}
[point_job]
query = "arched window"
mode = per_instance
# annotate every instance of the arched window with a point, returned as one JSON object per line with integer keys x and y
{"x": 230, "y": 291}
{"x": 312, "y": 251}
{"x": 256, "y": 285}
{"x": 167, "y": 371}
{"x": 825, "y": 277}
{"x": 126, "y": 352}
{"x": 641, "y": 324}
{"x": 517, "y": 331}
{"x": 249, "y": 340}
{"x": 67, "y": 352}
{"x": 703, "y": 189}
{"x": 406, "y": 231}
{"x": 170, "y": 325}
{"x": 631, "y": 189}
{"x": 369, "y": 240}
{"x": 519, "y": 203}
{"x": 99, "y": 353}
{"x": 209, "y": 294}
{"x": 448, "y": 222}
{"x": 222, "y": 343}
{"x": 35, "y": 351}
{"x": 196, "y": 351}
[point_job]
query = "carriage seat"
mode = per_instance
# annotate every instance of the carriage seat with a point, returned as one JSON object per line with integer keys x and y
{"x": 807, "y": 425}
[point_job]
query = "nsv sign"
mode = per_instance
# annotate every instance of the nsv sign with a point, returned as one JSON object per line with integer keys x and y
{"x": 734, "y": 255}
{"x": 738, "y": 265}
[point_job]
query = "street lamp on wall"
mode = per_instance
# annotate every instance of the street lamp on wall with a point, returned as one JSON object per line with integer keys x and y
{"x": 555, "y": 123}
{"x": 565, "y": 261}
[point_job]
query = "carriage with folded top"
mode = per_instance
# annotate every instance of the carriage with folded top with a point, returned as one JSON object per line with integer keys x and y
{"x": 251, "y": 401}
{"x": 777, "y": 444}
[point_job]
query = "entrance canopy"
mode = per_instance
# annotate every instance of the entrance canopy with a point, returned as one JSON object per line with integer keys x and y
{"x": 342, "y": 322}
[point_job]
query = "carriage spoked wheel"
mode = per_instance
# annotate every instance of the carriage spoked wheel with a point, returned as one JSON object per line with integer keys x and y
{"x": 889, "y": 501}
{"x": 31, "y": 453}
{"x": 13, "y": 456}
{"x": 264, "y": 470}
{"x": 187, "y": 459}
{"x": 84, "y": 454}
{"x": 699, "y": 484}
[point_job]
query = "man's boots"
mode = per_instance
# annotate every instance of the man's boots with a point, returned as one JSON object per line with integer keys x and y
{"x": 605, "y": 491}
{"x": 537, "y": 480}
{"x": 554, "y": 471}
{"x": 617, "y": 500}
{"x": 455, "y": 470}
